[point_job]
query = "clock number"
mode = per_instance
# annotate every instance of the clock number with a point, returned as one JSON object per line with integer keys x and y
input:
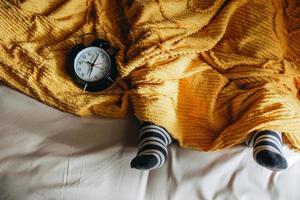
{"x": 89, "y": 53}
{"x": 80, "y": 63}
{"x": 84, "y": 57}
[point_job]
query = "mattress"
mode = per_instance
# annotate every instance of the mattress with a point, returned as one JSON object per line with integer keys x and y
{"x": 49, "y": 155}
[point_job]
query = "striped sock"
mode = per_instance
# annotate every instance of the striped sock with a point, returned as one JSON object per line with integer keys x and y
{"x": 152, "y": 147}
{"x": 267, "y": 149}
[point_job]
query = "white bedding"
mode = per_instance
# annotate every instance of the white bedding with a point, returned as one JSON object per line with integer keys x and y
{"x": 49, "y": 155}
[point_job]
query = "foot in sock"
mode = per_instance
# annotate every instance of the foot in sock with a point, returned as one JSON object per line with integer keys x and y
{"x": 267, "y": 149}
{"x": 152, "y": 147}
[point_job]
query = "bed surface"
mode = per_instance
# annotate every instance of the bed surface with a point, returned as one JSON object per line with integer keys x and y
{"x": 49, "y": 155}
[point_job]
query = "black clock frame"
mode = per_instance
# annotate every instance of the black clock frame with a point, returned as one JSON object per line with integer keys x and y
{"x": 96, "y": 86}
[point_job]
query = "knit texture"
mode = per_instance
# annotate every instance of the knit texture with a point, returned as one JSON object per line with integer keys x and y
{"x": 212, "y": 72}
{"x": 35, "y": 40}
{"x": 208, "y": 71}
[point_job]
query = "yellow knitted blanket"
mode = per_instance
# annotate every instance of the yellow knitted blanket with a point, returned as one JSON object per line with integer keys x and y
{"x": 209, "y": 71}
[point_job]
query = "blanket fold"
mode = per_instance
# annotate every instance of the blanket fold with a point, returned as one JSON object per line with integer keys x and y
{"x": 209, "y": 71}
{"x": 217, "y": 70}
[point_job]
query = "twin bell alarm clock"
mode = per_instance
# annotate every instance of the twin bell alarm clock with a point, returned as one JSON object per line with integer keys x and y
{"x": 92, "y": 67}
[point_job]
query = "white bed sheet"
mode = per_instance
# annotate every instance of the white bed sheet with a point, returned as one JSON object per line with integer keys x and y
{"x": 49, "y": 155}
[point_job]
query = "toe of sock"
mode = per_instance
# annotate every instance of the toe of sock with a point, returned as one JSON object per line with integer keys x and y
{"x": 271, "y": 160}
{"x": 144, "y": 162}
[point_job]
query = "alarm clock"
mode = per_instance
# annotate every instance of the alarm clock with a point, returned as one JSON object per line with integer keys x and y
{"x": 92, "y": 67}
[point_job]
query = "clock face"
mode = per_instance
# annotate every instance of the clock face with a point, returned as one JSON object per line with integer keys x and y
{"x": 92, "y": 64}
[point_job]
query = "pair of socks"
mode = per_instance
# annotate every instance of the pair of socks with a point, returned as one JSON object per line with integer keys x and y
{"x": 154, "y": 140}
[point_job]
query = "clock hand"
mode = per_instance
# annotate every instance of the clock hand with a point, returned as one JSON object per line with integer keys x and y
{"x": 98, "y": 67}
{"x": 92, "y": 65}
{"x": 90, "y": 71}
{"x": 88, "y": 62}
{"x": 96, "y": 58}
